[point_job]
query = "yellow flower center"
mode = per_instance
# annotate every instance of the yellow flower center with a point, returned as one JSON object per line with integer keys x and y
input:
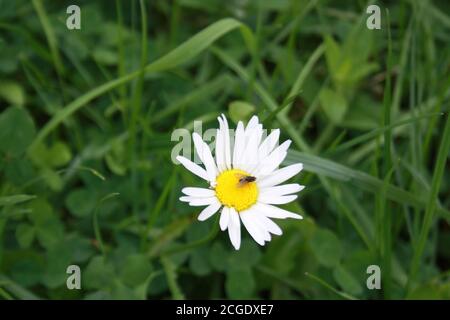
{"x": 232, "y": 192}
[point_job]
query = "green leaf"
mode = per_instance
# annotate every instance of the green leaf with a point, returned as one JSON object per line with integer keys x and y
{"x": 240, "y": 111}
{"x": 27, "y": 271}
{"x": 50, "y": 232}
{"x": 116, "y": 159}
{"x": 81, "y": 202}
{"x": 98, "y": 274}
{"x": 12, "y": 92}
{"x": 81, "y": 248}
{"x": 105, "y": 56}
{"x": 120, "y": 291}
{"x": 333, "y": 104}
{"x": 41, "y": 211}
{"x": 25, "y": 234}
{"x": 197, "y": 231}
{"x": 52, "y": 179}
{"x": 17, "y": 130}
{"x": 326, "y": 247}
{"x": 15, "y": 199}
{"x": 48, "y": 227}
{"x": 19, "y": 171}
{"x": 240, "y": 283}
{"x": 247, "y": 256}
{"x": 347, "y": 281}
{"x": 218, "y": 256}
{"x": 425, "y": 292}
{"x": 199, "y": 263}
{"x": 98, "y": 295}
{"x": 136, "y": 270}
{"x": 332, "y": 54}
{"x": 58, "y": 258}
{"x": 59, "y": 154}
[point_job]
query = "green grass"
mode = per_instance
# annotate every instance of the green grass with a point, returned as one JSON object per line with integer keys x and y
{"x": 86, "y": 122}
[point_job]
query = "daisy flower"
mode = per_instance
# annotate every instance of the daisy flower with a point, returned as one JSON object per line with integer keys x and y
{"x": 244, "y": 181}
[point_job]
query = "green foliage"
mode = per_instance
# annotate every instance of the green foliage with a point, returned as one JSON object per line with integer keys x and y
{"x": 86, "y": 123}
{"x": 17, "y": 131}
{"x": 12, "y": 93}
{"x": 326, "y": 247}
{"x": 334, "y": 105}
{"x": 240, "y": 111}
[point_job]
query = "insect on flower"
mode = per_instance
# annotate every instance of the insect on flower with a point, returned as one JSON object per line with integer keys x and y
{"x": 244, "y": 181}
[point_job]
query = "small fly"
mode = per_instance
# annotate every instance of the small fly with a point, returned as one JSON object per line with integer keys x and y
{"x": 244, "y": 179}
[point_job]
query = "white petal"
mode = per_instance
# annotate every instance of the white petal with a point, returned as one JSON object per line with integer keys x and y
{"x": 268, "y": 144}
{"x": 198, "y": 192}
{"x": 239, "y": 145}
{"x": 209, "y": 211}
{"x": 220, "y": 156}
{"x": 185, "y": 199}
{"x": 261, "y": 226}
{"x": 276, "y": 199}
{"x": 198, "y": 144}
{"x": 252, "y": 123}
{"x": 250, "y": 160}
{"x": 275, "y": 212}
{"x": 280, "y": 175}
{"x": 198, "y": 202}
{"x": 227, "y": 146}
{"x": 271, "y": 226}
{"x": 234, "y": 229}
{"x": 205, "y": 155}
{"x": 282, "y": 189}
{"x": 251, "y": 226}
{"x": 224, "y": 218}
{"x": 281, "y": 148}
{"x": 271, "y": 162}
{"x": 193, "y": 167}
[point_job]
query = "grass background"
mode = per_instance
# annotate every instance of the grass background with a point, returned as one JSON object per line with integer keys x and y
{"x": 86, "y": 118}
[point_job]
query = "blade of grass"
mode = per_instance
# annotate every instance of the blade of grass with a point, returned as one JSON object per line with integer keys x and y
{"x": 304, "y": 73}
{"x": 281, "y": 278}
{"x": 183, "y": 53}
{"x": 431, "y": 208}
{"x": 136, "y": 112}
{"x": 207, "y": 89}
{"x": 364, "y": 180}
{"x": 363, "y": 233}
{"x": 330, "y": 287}
{"x": 377, "y": 132}
{"x": 433, "y": 122}
{"x": 164, "y": 237}
{"x": 50, "y": 35}
{"x": 17, "y": 290}
{"x": 15, "y": 199}
{"x": 369, "y": 147}
{"x": 153, "y": 216}
{"x": 298, "y": 84}
{"x": 268, "y": 101}
{"x": 171, "y": 274}
{"x": 121, "y": 63}
{"x": 384, "y": 207}
{"x": 5, "y": 294}
{"x": 194, "y": 244}
{"x": 98, "y": 234}
{"x": 32, "y": 43}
